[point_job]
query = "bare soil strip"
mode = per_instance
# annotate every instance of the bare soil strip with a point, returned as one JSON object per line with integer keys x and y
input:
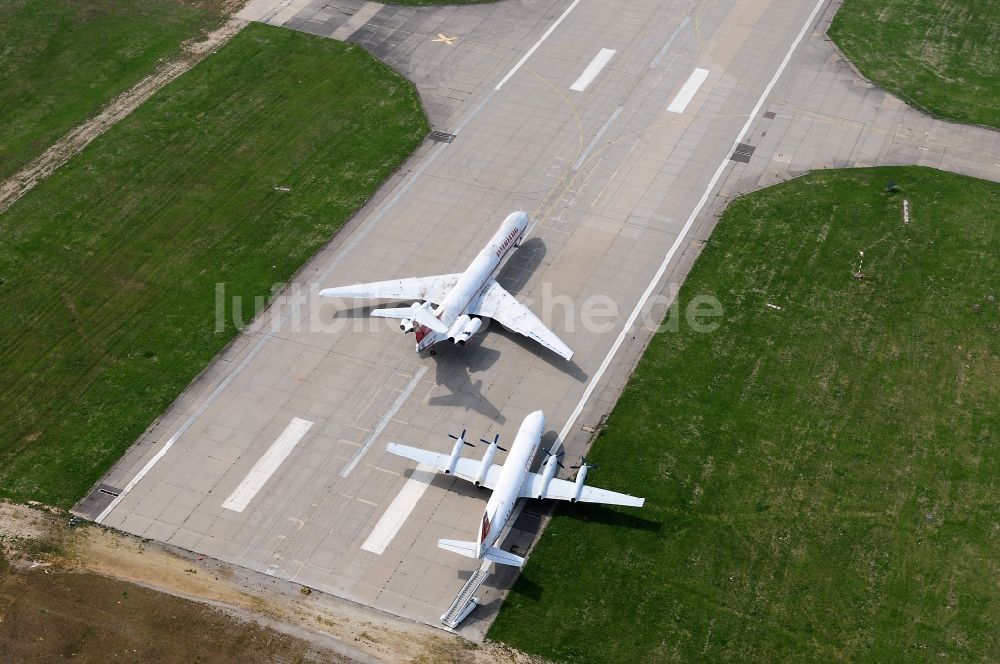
{"x": 46, "y": 565}
{"x": 192, "y": 52}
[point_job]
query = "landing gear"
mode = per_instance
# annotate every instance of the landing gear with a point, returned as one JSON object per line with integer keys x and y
{"x": 432, "y": 352}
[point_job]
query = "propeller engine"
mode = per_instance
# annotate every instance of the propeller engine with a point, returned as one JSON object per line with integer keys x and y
{"x": 456, "y": 451}
{"x": 552, "y": 466}
{"x": 581, "y": 477}
{"x": 491, "y": 451}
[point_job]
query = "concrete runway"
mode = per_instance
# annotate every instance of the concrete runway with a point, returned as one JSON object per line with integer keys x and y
{"x": 622, "y": 172}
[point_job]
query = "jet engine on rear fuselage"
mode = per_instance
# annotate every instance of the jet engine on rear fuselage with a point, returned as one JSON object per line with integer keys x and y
{"x": 469, "y": 326}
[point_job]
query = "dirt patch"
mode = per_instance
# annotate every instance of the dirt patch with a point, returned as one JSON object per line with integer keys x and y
{"x": 192, "y": 52}
{"x": 47, "y": 615}
{"x": 72, "y": 588}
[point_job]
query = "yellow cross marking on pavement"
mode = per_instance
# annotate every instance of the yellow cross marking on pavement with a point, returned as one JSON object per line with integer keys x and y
{"x": 445, "y": 40}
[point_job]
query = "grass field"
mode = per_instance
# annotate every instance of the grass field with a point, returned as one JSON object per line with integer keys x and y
{"x": 108, "y": 267}
{"x": 940, "y": 55}
{"x": 62, "y": 61}
{"x": 822, "y": 479}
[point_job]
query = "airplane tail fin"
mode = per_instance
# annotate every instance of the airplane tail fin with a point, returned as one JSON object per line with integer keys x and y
{"x": 493, "y": 554}
{"x": 419, "y": 314}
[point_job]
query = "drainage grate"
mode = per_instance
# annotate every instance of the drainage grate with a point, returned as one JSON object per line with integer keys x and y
{"x": 743, "y": 153}
{"x": 441, "y": 137}
{"x": 109, "y": 490}
{"x": 770, "y": 115}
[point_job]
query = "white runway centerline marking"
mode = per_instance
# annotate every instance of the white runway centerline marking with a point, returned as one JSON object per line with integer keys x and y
{"x": 267, "y": 464}
{"x": 600, "y": 60}
{"x": 399, "y": 510}
{"x": 688, "y": 91}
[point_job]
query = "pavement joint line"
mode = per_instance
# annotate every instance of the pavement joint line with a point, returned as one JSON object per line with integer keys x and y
{"x": 360, "y": 500}
{"x": 386, "y": 418}
{"x": 531, "y": 51}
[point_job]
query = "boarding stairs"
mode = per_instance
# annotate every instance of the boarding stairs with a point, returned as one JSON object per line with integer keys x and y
{"x": 466, "y": 600}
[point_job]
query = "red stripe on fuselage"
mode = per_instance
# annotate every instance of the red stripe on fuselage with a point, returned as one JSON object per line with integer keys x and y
{"x": 485, "y": 530}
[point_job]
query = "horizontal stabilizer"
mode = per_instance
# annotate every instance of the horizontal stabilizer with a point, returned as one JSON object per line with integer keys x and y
{"x": 467, "y": 549}
{"x": 427, "y": 319}
{"x": 420, "y": 314}
{"x": 492, "y": 554}
{"x": 499, "y": 557}
{"x": 399, "y": 312}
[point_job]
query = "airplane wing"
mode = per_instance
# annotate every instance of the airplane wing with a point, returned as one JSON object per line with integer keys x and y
{"x": 431, "y": 289}
{"x": 558, "y": 489}
{"x": 467, "y": 469}
{"x": 501, "y": 306}
{"x": 565, "y": 490}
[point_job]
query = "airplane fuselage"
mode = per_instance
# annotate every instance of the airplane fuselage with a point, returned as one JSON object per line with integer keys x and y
{"x": 512, "y": 476}
{"x": 456, "y": 303}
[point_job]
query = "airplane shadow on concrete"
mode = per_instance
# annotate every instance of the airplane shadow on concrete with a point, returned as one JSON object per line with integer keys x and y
{"x": 360, "y": 312}
{"x": 568, "y": 367}
{"x": 455, "y": 366}
{"x": 516, "y": 272}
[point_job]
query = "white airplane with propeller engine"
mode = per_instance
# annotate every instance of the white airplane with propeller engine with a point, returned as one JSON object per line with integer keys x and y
{"x": 511, "y": 481}
{"x": 463, "y": 300}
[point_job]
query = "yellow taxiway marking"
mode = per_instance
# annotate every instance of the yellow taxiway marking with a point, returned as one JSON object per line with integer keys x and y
{"x": 445, "y": 40}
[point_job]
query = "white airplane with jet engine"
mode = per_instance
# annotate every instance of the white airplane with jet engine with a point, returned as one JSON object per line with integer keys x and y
{"x": 510, "y": 482}
{"x": 463, "y": 300}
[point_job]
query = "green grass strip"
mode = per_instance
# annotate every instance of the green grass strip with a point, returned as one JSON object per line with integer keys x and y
{"x": 821, "y": 479}
{"x": 109, "y": 267}
{"x": 62, "y": 61}
{"x": 939, "y": 55}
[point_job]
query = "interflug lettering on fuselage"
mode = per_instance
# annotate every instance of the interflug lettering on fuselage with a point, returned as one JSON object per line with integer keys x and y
{"x": 507, "y": 242}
